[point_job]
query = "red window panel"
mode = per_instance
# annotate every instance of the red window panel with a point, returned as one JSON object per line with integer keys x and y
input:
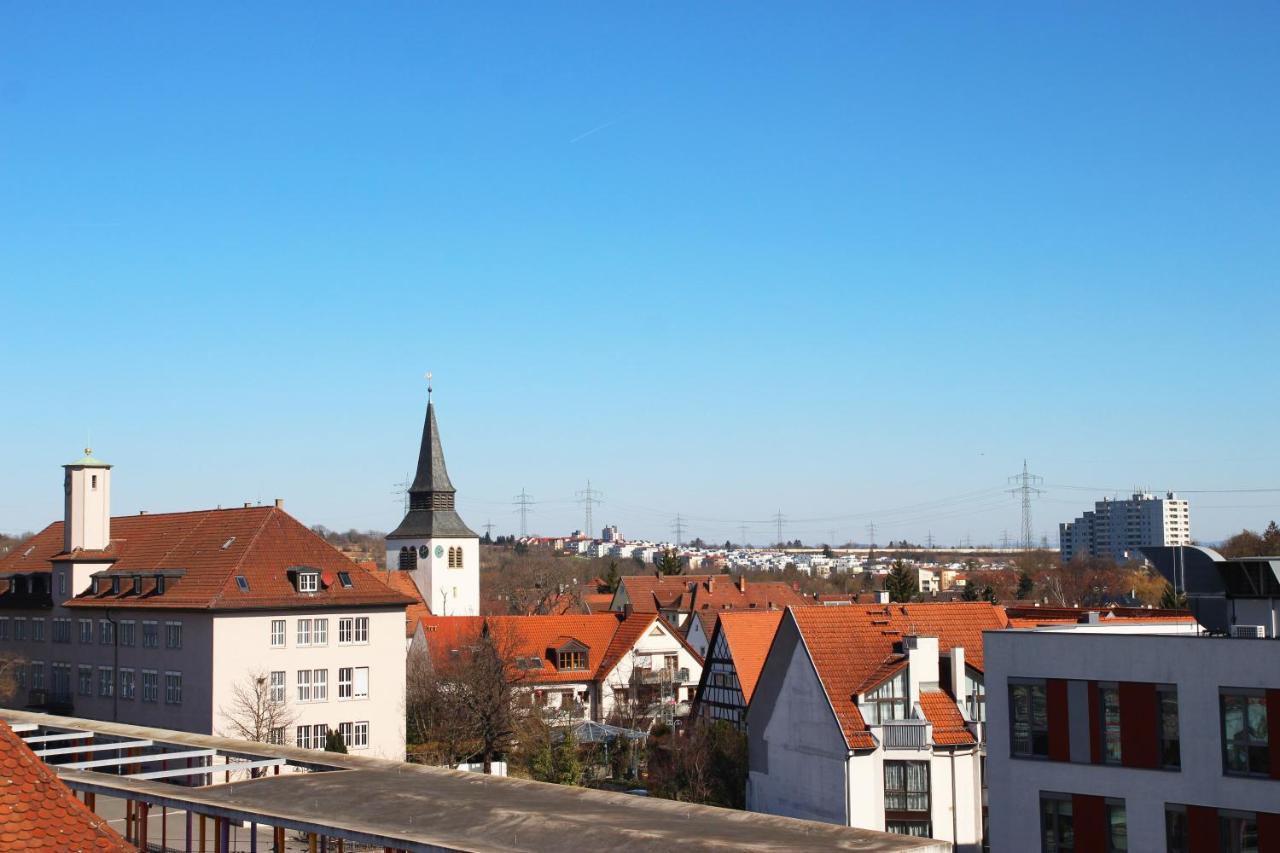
{"x": 1268, "y": 828}
{"x": 1273, "y": 732}
{"x": 1139, "y": 725}
{"x": 1202, "y": 829}
{"x": 1095, "y": 724}
{"x": 1090, "y": 819}
{"x": 1059, "y": 724}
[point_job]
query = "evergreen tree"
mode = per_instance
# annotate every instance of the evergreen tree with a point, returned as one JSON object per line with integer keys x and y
{"x": 1171, "y": 600}
{"x": 566, "y": 769}
{"x": 970, "y": 592}
{"x": 333, "y": 742}
{"x": 613, "y": 579}
{"x": 669, "y": 563}
{"x": 900, "y": 583}
{"x": 1025, "y": 586}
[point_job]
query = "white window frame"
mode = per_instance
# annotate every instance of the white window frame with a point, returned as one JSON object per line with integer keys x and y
{"x": 361, "y": 631}
{"x": 106, "y": 682}
{"x": 151, "y": 692}
{"x": 320, "y": 685}
{"x": 128, "y": 684}
{"x": 278, "y": 633}
{"x": 344, "y": 682}
{"x": 308, "y": 582}
{"x": 303, "y": 638}
{"x": 304, "y": 685}
{"x": 360, "y": 674}
{"x": 320, "y": 632}
{"x": 173, "y": 631}
{"x": 150, "y": 628}
{"x": 346, "y": 631}
{"x": 172, "y": 687}
{"x": 360, "y": 735}
{"x": 278, "y": 686}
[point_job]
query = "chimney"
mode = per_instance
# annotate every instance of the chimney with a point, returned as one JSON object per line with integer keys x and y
{"x": 248, "y": 504}
{"x": 279, "y": 503}
{"x": 959, "y": 687}
{"x": 922, "y": 665}
{"x": 882, "y": 597}
{"x": 142, "y": 512}
{"x": 742, "y": 583}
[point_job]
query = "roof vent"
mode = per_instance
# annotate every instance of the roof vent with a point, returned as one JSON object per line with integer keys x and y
{"x": 27, "y": 553}
{"x": 227, "y": 544}
{"x": 1249, "y": 632}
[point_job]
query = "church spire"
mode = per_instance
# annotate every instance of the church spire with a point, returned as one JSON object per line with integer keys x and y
{"x": 431, "y": 496}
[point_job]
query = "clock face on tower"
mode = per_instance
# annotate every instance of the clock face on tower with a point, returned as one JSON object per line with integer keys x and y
{"x": 422, "y": 552}
{"x": 439, "y": 551}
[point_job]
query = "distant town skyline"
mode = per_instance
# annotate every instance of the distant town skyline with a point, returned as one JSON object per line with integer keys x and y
{"x": 834, "y": 261}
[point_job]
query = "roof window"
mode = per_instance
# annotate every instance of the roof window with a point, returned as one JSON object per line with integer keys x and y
{"x": 242, "y": 582}
{"x": 344, "y": 578}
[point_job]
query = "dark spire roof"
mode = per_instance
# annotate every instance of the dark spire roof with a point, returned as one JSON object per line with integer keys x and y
{"x": 431, "y": 510}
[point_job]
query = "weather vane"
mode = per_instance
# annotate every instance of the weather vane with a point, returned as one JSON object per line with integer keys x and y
{"x": 428, "y": 384}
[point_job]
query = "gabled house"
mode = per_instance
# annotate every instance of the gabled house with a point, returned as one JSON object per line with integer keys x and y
{"x": 871, "y": 717}
{"x": 739, "y": 644}
{"x": 594, "y": 666}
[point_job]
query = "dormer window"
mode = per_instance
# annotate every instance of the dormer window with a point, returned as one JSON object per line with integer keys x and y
{"x": 159, "y": 584}
{"x": 137, "y": 584}
{"x": 571, "y": 659}
{"x": 308, "y": 581}
{"x": 115, "y": 585}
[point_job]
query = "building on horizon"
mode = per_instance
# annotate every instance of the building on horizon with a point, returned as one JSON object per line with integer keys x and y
{"x": 1120, "y": 528}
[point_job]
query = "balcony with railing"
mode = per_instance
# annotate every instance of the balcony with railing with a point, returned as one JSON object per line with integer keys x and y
{"x": 662, "y": 676}
{"x": 903, "y": 734}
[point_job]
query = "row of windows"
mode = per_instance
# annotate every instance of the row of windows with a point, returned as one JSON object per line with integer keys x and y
{"x": 352, "y": 630}
{"x": 355, "y": 735}
{"x": 1074, "y": 823}
{"x": 1244, "y": 727}
{"x": 313, "y": 684}
{"x": 106, "y": 682}
{"x": 107, "y": 632}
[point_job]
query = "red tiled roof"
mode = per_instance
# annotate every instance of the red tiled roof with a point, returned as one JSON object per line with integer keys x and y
{"x": 749, "y": 634}
{"x": 692, "y": 593}
{"x": 948, "y": 723}
{"x": 402, "y": 582}
{"x": 38, "y": 812}
{"x": 597, "y": 602}
{"x": 1036, "y": 617}
{"x": 210, "y": 548}
{"x": 446, "y": 634}
{"x": 853, "y": 648}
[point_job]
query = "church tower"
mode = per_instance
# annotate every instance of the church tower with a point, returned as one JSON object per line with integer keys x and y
{"x": 433, "y": 542}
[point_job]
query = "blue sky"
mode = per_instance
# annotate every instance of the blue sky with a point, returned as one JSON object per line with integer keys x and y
{"x": 725, "y": 259}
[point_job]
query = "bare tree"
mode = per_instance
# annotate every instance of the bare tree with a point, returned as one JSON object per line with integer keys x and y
{"x": 436, "y": 711}
{"x": 9, "y": 666}
{"x": 255, "y": 714}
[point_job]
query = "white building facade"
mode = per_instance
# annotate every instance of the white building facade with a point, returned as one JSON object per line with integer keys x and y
{"x": 1119, "y": 528}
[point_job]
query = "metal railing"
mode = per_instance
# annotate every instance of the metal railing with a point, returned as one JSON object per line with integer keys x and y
{"x": 904, "y": 734}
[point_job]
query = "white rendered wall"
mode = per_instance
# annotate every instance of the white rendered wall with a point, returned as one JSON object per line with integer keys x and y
{"x": 448, "y": 592}
{"x": 242, "y": 645}
{"x": 1197, "y": 665}
{"x": 654, "y": 645}
{"x": 87, "y": 511}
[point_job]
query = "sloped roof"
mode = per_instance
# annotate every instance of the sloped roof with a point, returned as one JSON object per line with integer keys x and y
{"x": 949, "y": 728}
{"x": 854, "y": 648}
{"x": 431, "y": 496}
{"x": 38, "y": 812}
{"x": 446, "y": 634}
{"x": 692, "y": 593}
{"x": 749, "y": 634}
{"x": 1037, "y": 617}
{"x": 202, "y": 553}
{"x": 402, "y": 582}
{"x": 604, "y": 634}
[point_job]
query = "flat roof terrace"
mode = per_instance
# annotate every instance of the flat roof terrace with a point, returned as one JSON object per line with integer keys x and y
{"x": 414, "y": 807}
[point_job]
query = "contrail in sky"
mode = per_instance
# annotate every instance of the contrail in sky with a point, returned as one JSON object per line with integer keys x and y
{"x": 593, "y": 130}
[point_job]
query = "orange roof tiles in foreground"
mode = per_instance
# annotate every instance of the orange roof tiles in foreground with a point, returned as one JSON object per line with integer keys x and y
{"x": 749, "y": 634}
{"x": 202, "y": 553}
{"x": 854, "y": 648}
{"x": 38, "y": 812}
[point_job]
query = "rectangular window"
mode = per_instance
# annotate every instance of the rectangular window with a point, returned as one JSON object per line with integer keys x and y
{"x": 150, "y": 635}
{"x": 362, "y": 629}
{"x": 346, "y": 631}
{"x": 1117, "y": 827}
{"x": 302, "y": 737}
{"x": 62, "y": 583}
{"x": 127, "y": 632}
{"x": 571, "y": 660}
{"x": 318, "y": 734}
{"x": 106, "y": 680}
{"x": 1238, "y": 832}
{"x": 37, "y": 629}
{"x": 360, "y": 738}
{"x": 344, "y": 578}
{"x": 906, "y": 797}
{"x": 276, "y": 736}
{"x": 1245, "y": 750}
{"x": 1175, "y": 829}
{"x": 308, "y": 582}
{"x": 304, "y": 632}
{"x": 360, "y": 683}
{"x": 886, "y": 702}
{"x": 106, "y": 633}
{"x": 320, "y": 685}
{"x": 150, "y": 685}
{"x": 1057, "y": 827}
{"x": 86, "y": 631}
{"x": 346, "y": 730}
{"x": 173, "y": 635}
{"x": 1028, "y": 719}
{"x": 304, "y": 685}
{"x": 126, "y": 684}
{"x": 37, "y": 675}
{"x": 4, "y": 628}
{"x": 173, "y": 688}
{"x": 20, "y": 629}
{"x": 277, "y": 633}
{"x": 320, "y": 632}
{"x": 975, "y": 697}
{"x": 84, "y": 683}
{"x": 277, "y": 686}
{"x": 1109, "y": 717}
{"x": 344, "y": 682}
{"x": 1170, "y": 742}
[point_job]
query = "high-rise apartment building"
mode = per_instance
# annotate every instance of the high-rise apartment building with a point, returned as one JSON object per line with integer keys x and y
{"x": 1118, "y": 528}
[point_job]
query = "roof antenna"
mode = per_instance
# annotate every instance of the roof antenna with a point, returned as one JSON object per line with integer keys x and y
{"x": 428, "y": 386}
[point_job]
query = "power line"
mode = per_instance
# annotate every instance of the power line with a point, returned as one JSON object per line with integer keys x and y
{"x": 778, "y": 519}
{"x": 678, "y": 526}
{"x": 742, "y": 528}
{"x": 523, "y": 502}
{"x": 488, "y": 529}
{"x": 401, "y": 490}
{"x": 1025, "y": 485}
{"x": 871, "y": 534}
{"x": 588, "y": 497}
